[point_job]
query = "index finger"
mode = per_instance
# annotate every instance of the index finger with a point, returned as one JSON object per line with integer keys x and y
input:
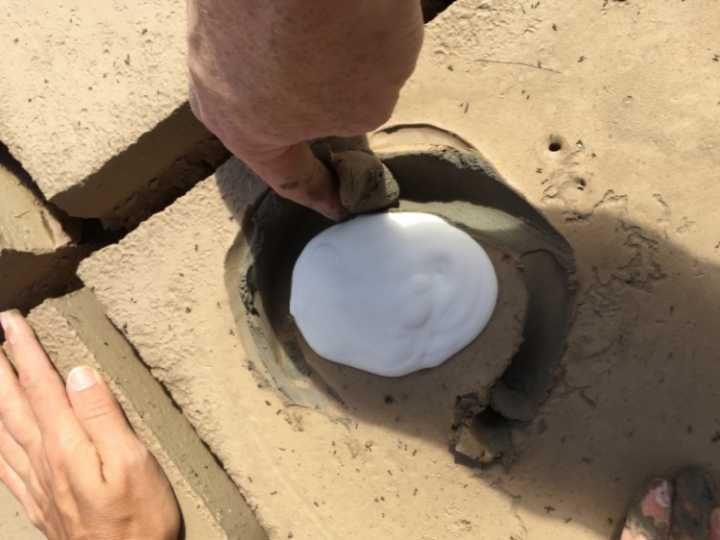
{"x": 41, "y": 384}
{"x": 296, "y": 174}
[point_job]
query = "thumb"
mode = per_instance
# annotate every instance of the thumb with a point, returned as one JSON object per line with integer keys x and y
{"x": 99, "y": 413}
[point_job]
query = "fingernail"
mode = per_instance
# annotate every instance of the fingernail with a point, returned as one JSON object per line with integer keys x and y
{"x": 7, "y": 320}
{"x": 81, "y": 378}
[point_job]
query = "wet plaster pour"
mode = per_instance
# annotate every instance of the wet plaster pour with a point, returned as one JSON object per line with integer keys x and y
{"x": 354, "y": 455}
{"x": 392, "y": 293}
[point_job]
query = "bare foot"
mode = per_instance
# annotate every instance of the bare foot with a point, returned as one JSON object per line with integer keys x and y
{"x": 681, "y": 508}
{"x": 649, "y": 517}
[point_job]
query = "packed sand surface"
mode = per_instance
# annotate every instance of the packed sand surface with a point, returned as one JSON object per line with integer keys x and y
{"x": 599, "y": 367}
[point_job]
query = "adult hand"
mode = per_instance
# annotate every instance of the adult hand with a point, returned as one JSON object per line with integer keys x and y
{"x": 69, "y": 456}
{"x": 268, "y": 76}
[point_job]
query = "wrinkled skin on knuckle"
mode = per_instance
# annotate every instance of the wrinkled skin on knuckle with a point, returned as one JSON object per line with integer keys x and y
{"x": 96, "y": 409}
{"x": 44, "y": 516}
{"x": 28, "y": 438}
{"x": 29, "y": 382}
{"x": 36, "y": 518}
{"x": 61, "y": 450}
{"x": 27, "y": 435}
{"x": 368, "y": 118}
{"x": 138, "y": 458}
{"x": 132, "y": 469}
{"x": 5, "y": 450}
{"x": 38, "y": 485}
{"x": 57, "y": 460}
{"x": 61, "y": 483}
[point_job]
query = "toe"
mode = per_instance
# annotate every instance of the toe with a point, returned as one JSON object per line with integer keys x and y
{"x": 649, "y": 517}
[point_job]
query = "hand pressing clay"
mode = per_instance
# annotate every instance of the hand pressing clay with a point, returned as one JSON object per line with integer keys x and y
{"x": 366, "y": 184}
{"x": 392, "y": 293}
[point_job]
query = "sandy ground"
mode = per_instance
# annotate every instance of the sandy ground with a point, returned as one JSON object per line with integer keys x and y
{"x": 605, "y": 115}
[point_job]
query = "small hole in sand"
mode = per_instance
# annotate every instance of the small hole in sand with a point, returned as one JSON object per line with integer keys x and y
{"x": 555, "y": 144}
{"x": 581, "y": 183}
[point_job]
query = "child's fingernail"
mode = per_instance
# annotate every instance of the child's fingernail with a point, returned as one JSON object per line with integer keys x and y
{"x": 7, "y": 320}
{"x": 81, "y": 378}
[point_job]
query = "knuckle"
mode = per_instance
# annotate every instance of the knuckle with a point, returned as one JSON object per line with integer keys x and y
{"x": 59, "y": 452}
{"x": 24, "y": 470}
{"x": 96, "y": 409}
{"x": 29, "y": 381}
{"x": 57, "y": 460}
{"x": 375, "y": 117}
{"x": 35, "y": 517}
{"x": 27, "y": 438}
{"x": 381, "y": 115}
{"x": 137, "y": 457}
{"x": 37, "y": 511}
{"x": 61, "y": 489}
{"x": 131, "y": 466}
{"x": 5, "y": 446}
{"x": 377, "y": 109}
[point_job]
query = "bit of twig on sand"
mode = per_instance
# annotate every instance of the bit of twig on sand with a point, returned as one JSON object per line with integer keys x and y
{"x": 525, "y": 64}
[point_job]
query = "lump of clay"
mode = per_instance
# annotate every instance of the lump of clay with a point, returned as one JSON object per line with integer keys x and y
{"x": 366, "y": 184}
{"x": 392, "y": 293}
